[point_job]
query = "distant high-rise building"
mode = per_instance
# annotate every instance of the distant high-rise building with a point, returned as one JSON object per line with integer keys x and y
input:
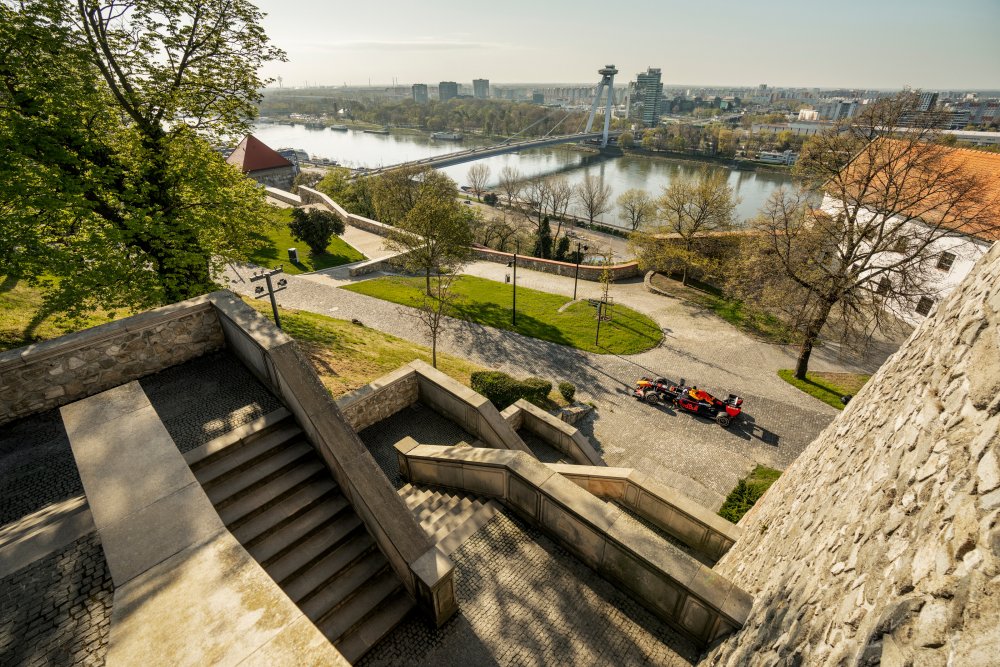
{"x": 420, "y": 93}
{"x": 648, "y": 92}
{"x": 538, "y": 98}
{"x": 447, "y": 90}
{"x": 481, "y": 89}
{"x": 927, "y": 101}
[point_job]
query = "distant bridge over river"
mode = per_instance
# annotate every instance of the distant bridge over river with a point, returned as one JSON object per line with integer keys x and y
{"x": 472, "y": 154}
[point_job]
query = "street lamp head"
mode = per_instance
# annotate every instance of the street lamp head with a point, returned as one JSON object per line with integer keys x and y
{"x": 258, "y": 290}
{"x": 282, "y": 282}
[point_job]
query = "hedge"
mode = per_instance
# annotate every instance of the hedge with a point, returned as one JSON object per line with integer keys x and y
{"x": 503, "y": 390}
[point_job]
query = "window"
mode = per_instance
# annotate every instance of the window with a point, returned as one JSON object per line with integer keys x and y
{"x": 883, "y": 286}
{"x": 945, "y": 260}
{"x": 924, "y": 305}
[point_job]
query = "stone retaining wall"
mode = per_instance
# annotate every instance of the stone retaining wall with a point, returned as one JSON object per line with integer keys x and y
{"x": 283, "y": 196}
{"x": 674, "y": 586}
{"x": 56, "y": 372}
{"x": 881, "y": 542}
{"x": 587, "y": 271}
{"x": 381, "y": 399}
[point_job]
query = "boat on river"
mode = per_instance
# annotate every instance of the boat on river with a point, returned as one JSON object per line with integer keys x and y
{"x": 446, "y": 136}
{"x": 339, "y": 128}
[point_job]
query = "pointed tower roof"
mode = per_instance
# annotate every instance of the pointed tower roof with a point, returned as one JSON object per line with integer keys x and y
{"x": 254, "y": 155}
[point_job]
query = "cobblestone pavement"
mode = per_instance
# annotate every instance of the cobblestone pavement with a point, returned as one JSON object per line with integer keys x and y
{"x": 542, "y": 450}
{"x": 57, "y": 611}
{"x": 37, "y": 467}
{"x": 207, "y": 397}
{"x": 523, "y": 600}
{"x": 420, "y": 423}
{"x": 779, "y": 420}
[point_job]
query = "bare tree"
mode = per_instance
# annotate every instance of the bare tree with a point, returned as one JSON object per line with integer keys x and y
{"x": 537, "y": 193}
{"x": 560, "y": 195}
{"x": 870, "y": 250}
{"x": 510, "y": 183}
{"x": 692, "y": 208}
{"x": 478, "y": 176}
{"x": 432, "y": 310}
{"x": 593, "y": 196}
{"x": 636, "y": 207}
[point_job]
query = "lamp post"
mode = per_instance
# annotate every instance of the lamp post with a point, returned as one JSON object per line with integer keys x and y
{"x": 259, "y": 290}
{"x": 513, "y": 310}
{"x": 579, "y": 257}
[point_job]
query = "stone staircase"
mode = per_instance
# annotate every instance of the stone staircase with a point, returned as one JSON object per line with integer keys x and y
{"x": 449, "y": 518}
{"x": 280, "y": 501}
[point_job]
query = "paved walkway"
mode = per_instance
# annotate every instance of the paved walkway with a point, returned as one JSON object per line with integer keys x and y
{"x": 779, "y": 420}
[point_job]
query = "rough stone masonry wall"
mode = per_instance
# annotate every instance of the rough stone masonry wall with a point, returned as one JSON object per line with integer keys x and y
{"x": 882, "y": 540}
{"x": 57, "y": 372}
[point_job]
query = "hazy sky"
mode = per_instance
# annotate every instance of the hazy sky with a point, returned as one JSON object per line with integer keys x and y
{"x": 941, "y": 44}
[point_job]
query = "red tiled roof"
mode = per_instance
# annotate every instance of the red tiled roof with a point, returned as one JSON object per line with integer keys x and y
{"x": 979, "y": 217}
{"x": 254, "y": 155}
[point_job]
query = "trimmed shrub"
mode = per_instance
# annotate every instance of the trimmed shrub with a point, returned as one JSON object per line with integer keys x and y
{"x": 747, "y": 492}
{"x": 315, "y": 227}
{"x": 503, "y": 390}
{"x": 568, "y": 391}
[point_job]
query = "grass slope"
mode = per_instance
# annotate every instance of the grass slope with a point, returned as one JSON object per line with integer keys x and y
{"x": 348, "y": 356}
{"x": 488, "y": 302}
{"x": 22, "y": 322}
{"x": 747, "y": 492}
{"x": 279, "y": 240}
{"x": 827, "y": 387}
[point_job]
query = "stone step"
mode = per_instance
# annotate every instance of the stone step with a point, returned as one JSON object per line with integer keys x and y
{"x": 326, "y": 602}
{"x": 308, "y": 582}
{"x": 451, "y": 507}
{"x": 247, "y": 481}
{"x": 362, "y": 637}
{"x": 277, "y": 543}
{"x": 247, "y": 433}
{"x": 413, "y": 496}
{"x": 308, "y": 552}
{"x": 301, "y": 500}
{"x": 430, "y": 504}
{"x": 455, "y": 516}
{"x": 355, "y": 609}
{"x": 242, "y": 455}
{"x": 246, "y": 507}
{"x": 456, "y": 536}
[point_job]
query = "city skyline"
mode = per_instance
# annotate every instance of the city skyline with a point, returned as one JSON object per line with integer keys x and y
{"x": 865, "y": 45}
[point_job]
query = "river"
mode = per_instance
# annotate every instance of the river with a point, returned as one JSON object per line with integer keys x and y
{"x": 355, "y": 148}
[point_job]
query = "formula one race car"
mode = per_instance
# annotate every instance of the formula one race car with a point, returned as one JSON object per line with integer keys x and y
{"x": 690, "y": 399}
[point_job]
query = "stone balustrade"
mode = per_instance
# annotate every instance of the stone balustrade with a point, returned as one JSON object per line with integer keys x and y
{"x": 553, "y": 430}
{"x": 670, "y": 583}
{"x": 666, "y": 508}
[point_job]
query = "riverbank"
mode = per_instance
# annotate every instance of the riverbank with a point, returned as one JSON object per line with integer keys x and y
{"x": 731, "y": 163}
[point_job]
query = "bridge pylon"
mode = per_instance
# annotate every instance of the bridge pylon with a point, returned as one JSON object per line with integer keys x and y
{"x": 607, "y": 80}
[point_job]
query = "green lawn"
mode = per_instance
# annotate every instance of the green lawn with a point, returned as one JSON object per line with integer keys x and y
{"x": 827, "y": 387}
{"x": 279, "y": 240}
{"x": 747, "y": 492}
{"x": 488, "y": 302}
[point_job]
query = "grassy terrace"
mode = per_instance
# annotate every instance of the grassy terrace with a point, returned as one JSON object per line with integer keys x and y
{"x": 489, "y": 303}
{"x": 747, "y": 492}
{"x": 347, "y": 356}
{"x": 827, "y": 387}
{"x": 279, "y": 240}
{"x": 22, "y": 322}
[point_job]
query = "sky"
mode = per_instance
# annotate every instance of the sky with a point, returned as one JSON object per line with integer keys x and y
{"x": 933, "y": 45}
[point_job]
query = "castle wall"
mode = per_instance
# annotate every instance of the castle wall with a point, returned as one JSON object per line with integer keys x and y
{"x": 882, "y": 541}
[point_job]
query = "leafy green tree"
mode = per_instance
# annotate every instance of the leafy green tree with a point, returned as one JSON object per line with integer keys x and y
{"x": 562, "y": 249}
{"x": 436, "y": 231}
{"x": 636, "y": 207}
{"x": 106, "y": 114}
{"x": 315, "y": 227}
{"x": 543, "y": 240}
{"x": 354, "y": 194}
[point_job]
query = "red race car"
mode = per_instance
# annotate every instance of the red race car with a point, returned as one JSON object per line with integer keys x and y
{"x": 690, "y": 399}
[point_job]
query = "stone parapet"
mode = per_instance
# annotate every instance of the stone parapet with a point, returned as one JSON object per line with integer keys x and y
{"x": 56, "y": 372}
{"x": 380, "y": 399}
{"x": 666, "y": 508}
{"x": 680, "y": 590}
{"x": 589, "y": 272}
{"x": 553, "y": 430}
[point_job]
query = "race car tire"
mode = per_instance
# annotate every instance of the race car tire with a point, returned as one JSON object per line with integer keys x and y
{"x": 651, "y": 398}
{"x": 723, "y": 420}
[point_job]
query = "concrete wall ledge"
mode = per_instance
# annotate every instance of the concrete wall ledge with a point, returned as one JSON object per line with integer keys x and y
{"x": 667, "y": 508}
{"x": 564, "y": 437}
{"x": 679, "y": 589}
